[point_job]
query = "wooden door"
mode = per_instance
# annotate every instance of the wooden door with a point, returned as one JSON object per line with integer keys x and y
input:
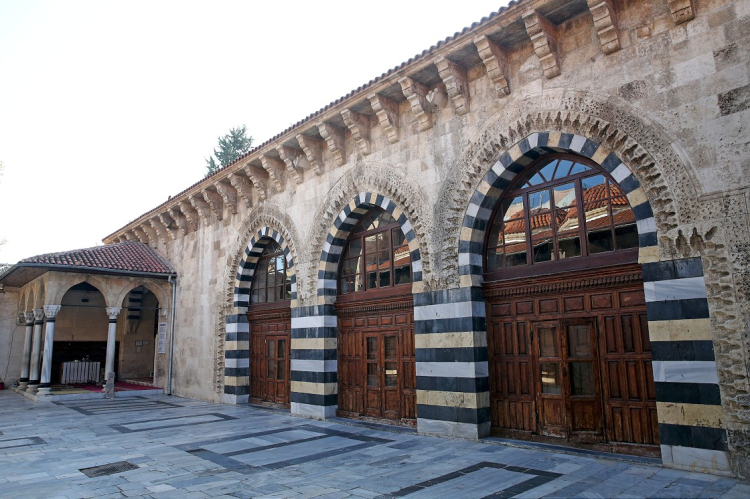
{"x": 550, "y": 386}
{"x": 376, "y": 366}
{"x": 581, "y": 380}
{"x": 270, "y": 369}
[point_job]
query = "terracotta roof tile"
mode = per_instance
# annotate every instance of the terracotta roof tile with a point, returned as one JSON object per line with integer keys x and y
{"x": 129, "y": 256}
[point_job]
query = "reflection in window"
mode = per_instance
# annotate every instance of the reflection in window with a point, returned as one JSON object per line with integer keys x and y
{"x": 376, "y": 256}
{"x": 270, "y": 280}
{"x": 540, "y": 220}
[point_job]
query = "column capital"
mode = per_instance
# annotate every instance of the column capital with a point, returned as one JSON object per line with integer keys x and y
{"x": 113, "y": 312}
{"x": 38, "y": 314}
{"x": 50, "y": 312}
{"x": 29, "y": 318}
{"x": 21, "y": 319}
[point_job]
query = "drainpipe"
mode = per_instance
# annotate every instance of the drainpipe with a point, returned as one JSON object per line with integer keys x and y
{"x": 171, "y": 335}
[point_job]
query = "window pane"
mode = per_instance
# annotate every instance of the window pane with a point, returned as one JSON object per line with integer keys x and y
{"x": 495, "y": 238}
{"x": 391, "y": 374}
{"x": 383, "y": 242}
{"x": 550, "y": 372}
{"x": 626, "y": 236}
{"x": 401, "y": 255}
{"x": 384, "y": 260}
{"x": 399, "y": 239}
{"x": 516, "y": 258}
{"x": 539, "y": 200}
{"x": 372, "y": 374}
{"x": 372, "y": 280}
{"x": 548, "y": 342}
{"x": 403, "y": 275}
{"x": 272, "y": 266}
{"x": 600, "y": 241}
{"x": 371, "y": 260}
{"x": 581, "y": 378}
{"x": 565, "y": 195}
{"x": 351, "y": 266}
{"x": 542, "y": 250}
{"x": 385, "y": 278}
{"x": 372, "y": 348}
{"x": 579, "y": 341}
{"x": 281, "y": 370}
{"x": 513, "y": 208}
{"x": 280, "y": 264}
{"x": 254, "y": 296}
{"x": 598, "y": 182}
{"x": 563, "y": 169}
{"x": 547, "y": 172}
{"x": 371, "y": 244}
{"x": 390, "y": 347}
{"x": 569, "y": 246}
{"x": 578, "y": 168}
{"x": 355, "y": 248}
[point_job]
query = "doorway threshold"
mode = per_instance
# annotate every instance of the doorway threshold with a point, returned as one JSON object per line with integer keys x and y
{"x": 575, "y": 451}
{"x": 375, "y": 425}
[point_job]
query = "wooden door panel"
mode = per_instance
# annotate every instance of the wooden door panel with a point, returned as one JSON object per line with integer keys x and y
{"x": 270, "y": 367}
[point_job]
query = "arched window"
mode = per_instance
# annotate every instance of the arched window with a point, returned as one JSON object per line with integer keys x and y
{"x": 270, "y": 280}
{"x": 376, "y": 255}
{"x": 539, "y": 221}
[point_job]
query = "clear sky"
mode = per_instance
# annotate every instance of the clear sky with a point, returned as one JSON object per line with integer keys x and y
{"x": 108, "y": 108}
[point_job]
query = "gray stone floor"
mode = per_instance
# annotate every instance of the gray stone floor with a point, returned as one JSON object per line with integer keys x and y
{"x": 166, "y": 447}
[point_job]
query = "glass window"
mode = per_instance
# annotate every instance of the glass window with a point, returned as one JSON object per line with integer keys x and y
{"x": 270, "y": 280}
{"x": 563, "y": 209}
{"x": 377, "y": 255}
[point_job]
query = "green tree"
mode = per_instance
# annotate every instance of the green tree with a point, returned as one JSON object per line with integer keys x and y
{"x": 231, "y": 147}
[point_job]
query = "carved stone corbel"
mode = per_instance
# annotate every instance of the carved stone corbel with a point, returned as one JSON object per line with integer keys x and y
{"x": 179, "y": 219}
{"x": 313, "y": 149}
{"x": 605, "y": 22}
{"x": 274, "y": 167}
{"x": 242, "y": 185}
{"x": 159, "y": 229}
{"x": 416, "y": 94}
{"x": 359, "y": 125}
{"x": 495, "y": 63}
{"x": 191, "y": 216}
{"x": 335, "y": 140}
{"x": 200, "y": 205}
{"x": 228, "y": 196}
{"x": 544, "y": 37}
{"x": 140, "y": 235}
{"x": 682, "y": 10}
{"x": 456, "y": 83}
{"x": 169, "y": 224}
{"x": 215, "y": 202}
{"x": 289, "y": 156}
{"x": 387, "y": 113}
{"x": 253, "y": 174}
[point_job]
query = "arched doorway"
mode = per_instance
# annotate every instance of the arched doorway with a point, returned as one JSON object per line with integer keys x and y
{"x": 137, "y": 335}
{"x": 269, "y": 316}
{"x": 376, "y": 358}
{"x": 569, "y": 350}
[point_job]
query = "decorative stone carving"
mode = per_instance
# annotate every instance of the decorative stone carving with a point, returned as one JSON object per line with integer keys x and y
{"x": 313, "y": 149}
{"x": 113, "y": 312}
{"x": 179, "y": 219}
{"x": 495, "y": 63}
{"x": 253, "y": 173}
{"x": 359, "y": 125}
{"x": 605, "y": 22}
{"x": 387, "y": 113}
{"x": 228, "y": 195}
{"x": 159, "y": 228}
{"x": 416, "y": 94}
{"x": 544, "y": 37}
{"x": 152, "y": 238}
{"x": 200, "y": 206}
{"x": 456, "y": 83}
{"x": 51, "y": 311}
{"x": 169, "y": 224}
{"x": 215, "y": 202}
{"x": 682, "y": 10}
{"x": 274, "y": 167}
{"x": 38, "y": 314}
{"x": 191, "y": 216}
{"x": 20, "y": 318}
{"x": 242, "y": 185}
{"x": 334, "y": 137}
{"x": 29, "y": 316}
{"x": 289, "y": 156}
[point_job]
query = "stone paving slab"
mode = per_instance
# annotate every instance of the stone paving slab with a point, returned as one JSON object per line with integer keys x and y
{"x": 181, "y": 448}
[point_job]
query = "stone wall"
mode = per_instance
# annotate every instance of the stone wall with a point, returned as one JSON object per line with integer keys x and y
{"x": 662, "y": 85}
{"x": 11, "y": 338}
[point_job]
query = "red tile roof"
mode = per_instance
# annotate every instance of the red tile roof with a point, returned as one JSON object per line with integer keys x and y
{"x": 129, "y": 256}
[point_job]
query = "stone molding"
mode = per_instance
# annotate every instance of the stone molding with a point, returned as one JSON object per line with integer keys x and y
{"x": 605, "y": 22}
{"x": 682, "y": 10}
{"x": 113, "y": 312}
{"x": 495, "y": 63}
{"x": 387, "y": 113}
{"x": 543, "y": 35}
{"x": 51, "y": 311}
{"x": 564, "y": 286}
{"x": 38, "y": 314}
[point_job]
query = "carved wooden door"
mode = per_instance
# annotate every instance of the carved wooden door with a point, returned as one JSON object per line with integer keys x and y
{"x": 270, "y": 369}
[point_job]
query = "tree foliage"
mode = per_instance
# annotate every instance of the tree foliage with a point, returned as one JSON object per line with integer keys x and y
{"x": 231, "y": 146}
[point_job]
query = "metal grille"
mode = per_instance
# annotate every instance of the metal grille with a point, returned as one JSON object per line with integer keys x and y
{"x": 108, "y": 469}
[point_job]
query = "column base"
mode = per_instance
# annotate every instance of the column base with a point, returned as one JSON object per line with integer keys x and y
{"x": 454, "y": 429}
{"x": 314, "y": 411}
{"x": 32, "y": 387}
{"x": 22, "y": 385}
{"x": 44, "y": 391}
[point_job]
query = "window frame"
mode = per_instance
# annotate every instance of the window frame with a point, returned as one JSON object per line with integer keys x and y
{"x": 276, "y": 303}
{"x": 585, "y": 260}
{"x": 378, "y": 291}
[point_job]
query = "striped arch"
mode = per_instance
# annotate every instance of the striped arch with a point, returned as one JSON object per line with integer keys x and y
{"x": 344, "y": 223}
{"x": 514, "y": 160}
{"x": 691, "y": 427}
{"x": 237, "y": 336}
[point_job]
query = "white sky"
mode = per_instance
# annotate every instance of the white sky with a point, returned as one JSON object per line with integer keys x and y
{"x": 108, "y": 108}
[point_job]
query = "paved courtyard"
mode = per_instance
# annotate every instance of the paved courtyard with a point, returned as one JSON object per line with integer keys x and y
{"x": 169, "y": 447}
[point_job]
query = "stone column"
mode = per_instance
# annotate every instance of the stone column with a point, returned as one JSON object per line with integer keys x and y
{"x": 28, "y": 318}
{"x": 50, "y": 313}
{"x": 109, "y": 370}
{"x": 36, "y": 351}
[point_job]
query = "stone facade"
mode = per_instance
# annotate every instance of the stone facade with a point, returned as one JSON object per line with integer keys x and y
{"x": 655, "y": 92}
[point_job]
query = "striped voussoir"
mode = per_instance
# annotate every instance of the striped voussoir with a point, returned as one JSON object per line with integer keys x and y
{"x": 237, "y": 336}
{"x": 691, "y": 424}
{"x": 344, "y": 223}
{"x": 514, "y": 160}
{"x": 452, "y": 369}
{"x": 314, "y": 366}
